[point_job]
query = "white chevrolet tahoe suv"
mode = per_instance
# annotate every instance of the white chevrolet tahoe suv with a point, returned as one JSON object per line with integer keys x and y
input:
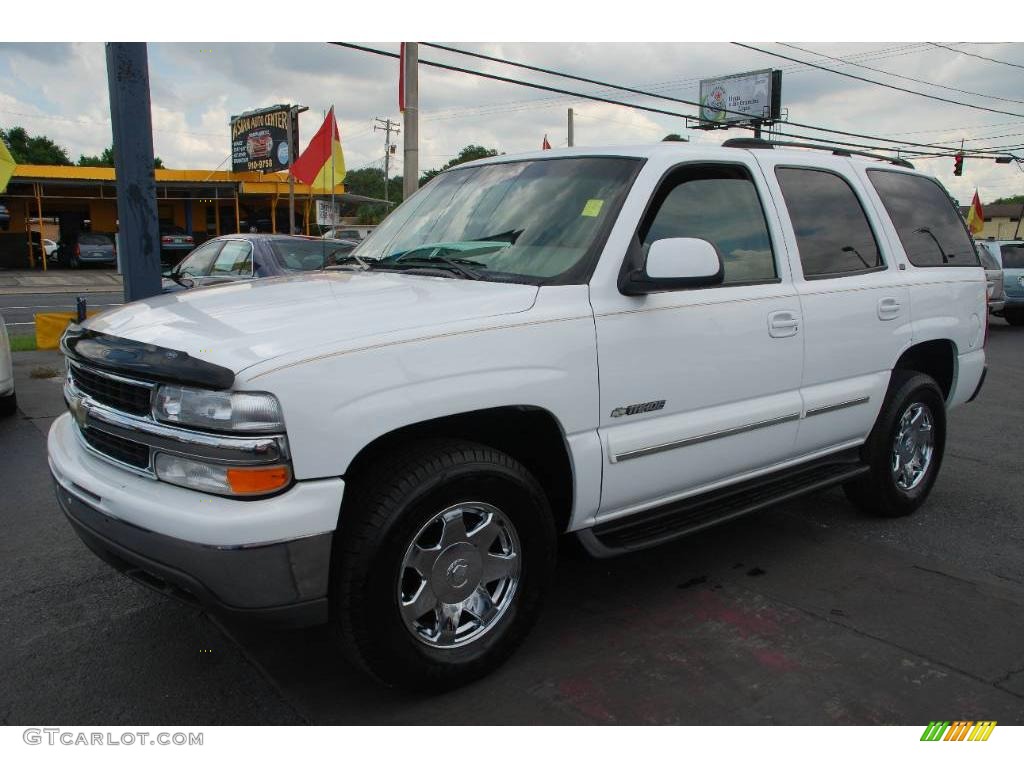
{"x": 626, "y": 345}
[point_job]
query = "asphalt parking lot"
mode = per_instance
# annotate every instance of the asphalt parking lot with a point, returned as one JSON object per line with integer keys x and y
{"x": 807, "y": 613}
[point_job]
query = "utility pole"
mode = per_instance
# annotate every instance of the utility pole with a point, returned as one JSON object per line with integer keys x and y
{"x": 132, "y": 123}
{"x": 387, "y": 125}
{"x": 571, "y": 143}
{"x": 411, "y": 115}
{"x": 293, "y": 116}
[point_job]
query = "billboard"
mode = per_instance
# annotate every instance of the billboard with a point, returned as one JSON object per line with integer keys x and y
{"x": 259, "y": 139}
{"x": 743, "y": 98}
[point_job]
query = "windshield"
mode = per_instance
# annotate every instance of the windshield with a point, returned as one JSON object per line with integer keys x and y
{"x": 533, "y": 220}
{"x": 308, "y": 255}
{"x": 1013, "y": 256}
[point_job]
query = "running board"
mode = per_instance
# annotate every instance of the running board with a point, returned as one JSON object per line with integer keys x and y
{"x": 680, "y": 518}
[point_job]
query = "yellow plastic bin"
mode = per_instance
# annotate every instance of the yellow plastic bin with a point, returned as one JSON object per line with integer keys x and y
{"x": 50, "y": 326}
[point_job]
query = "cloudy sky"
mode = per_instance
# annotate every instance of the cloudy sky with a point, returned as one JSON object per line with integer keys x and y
{"x": 61, "y": 90}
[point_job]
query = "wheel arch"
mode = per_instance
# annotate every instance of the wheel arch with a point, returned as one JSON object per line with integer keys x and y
{"x": 530, "y": 434}
{"x": 936, "y": 358}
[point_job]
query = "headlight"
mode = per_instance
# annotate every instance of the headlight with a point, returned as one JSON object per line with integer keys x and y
{"x": 221, "y": 411}
{"x": 221, "y": 479}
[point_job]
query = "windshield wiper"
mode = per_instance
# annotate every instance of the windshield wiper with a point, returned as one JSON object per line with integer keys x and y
{"x": 459, "y": 266}
{"x": 942, "y": 251}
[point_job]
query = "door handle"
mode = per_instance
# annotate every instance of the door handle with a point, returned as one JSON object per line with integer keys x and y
{"x": 783, "y": 323}
{"x": 889, "y": 308}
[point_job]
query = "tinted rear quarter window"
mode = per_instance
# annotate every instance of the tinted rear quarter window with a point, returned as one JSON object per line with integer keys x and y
{"x": 929, "y": 226}
{"x": 832, "y": 231}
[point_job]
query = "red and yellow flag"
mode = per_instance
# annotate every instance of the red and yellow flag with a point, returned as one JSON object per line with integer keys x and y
{"x": 322, "y": 165}
{"x": 976, "y": 216}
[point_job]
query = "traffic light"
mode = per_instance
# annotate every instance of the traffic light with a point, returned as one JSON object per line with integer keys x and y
{"x": 958, "y": 165}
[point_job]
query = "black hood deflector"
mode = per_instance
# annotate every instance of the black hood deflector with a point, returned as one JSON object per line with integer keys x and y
{"x": 146, "y": 361}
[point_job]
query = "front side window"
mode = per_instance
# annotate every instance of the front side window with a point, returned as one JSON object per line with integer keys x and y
{"x": 929, "y": 226}
{"x": 200, "y": 261}
{"x": 532, "y": 221}
{"x": 718, "y": 204}
{"x": 234, "y": 259}
{"x": 832, "y": 231}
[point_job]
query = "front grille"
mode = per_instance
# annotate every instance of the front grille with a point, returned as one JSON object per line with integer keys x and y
{"x": 130, "y": 398}
{"x": 126, "y": 451}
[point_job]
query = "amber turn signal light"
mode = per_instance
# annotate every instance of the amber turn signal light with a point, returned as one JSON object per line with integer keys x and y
{"x": 253, "y": 480}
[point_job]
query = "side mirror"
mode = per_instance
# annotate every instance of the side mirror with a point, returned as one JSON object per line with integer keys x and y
{"x": 673, "y": 263}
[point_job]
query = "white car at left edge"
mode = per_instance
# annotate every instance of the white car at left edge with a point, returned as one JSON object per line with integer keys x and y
{"x": 8, "y": 401}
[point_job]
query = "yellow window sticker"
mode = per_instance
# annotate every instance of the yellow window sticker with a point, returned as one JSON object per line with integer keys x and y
{"x": 593, "y": 208}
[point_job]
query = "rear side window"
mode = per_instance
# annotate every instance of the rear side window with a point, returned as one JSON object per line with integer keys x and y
{"x": 930, "y": 227}
{"x": 1013, "y": 256}
{"x": 718, "y": 204}
{"x": 832, "y": 231}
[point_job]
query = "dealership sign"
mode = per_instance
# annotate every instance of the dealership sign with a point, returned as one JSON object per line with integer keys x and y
{"x": 259, "y": 139}
{"x": 744, "y": 98}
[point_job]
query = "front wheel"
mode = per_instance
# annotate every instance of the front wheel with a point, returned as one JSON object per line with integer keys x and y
{"x": 440, "y": 563}
{"x": 8, "y": 405}
{"x": 904, "y": 450}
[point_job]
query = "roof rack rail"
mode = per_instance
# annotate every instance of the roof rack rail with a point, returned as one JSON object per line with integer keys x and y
{"x": 751, "y": 143}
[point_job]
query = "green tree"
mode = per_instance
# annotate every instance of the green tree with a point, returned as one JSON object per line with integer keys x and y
{"x": 1015, "y": 199}
{"x": 674, "y": 137}
{"x": 33, "y": 150}
{"x": 467, "y": 153}
{"x": 106, "y": 160}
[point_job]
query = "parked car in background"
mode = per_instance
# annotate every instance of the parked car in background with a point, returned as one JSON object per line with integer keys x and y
{"x": 244, "y": 256}
{"x": 91, "y": 248}
{"x": 994, "y": 276}
{"x": 348, "y": 233}
{"x": 1010, "y": 256}
{"x": 49, "y": 247}
{"x": 8, "y": 400}
{"x": 175, "y": 243}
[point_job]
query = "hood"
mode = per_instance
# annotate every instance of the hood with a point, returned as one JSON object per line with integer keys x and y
{"x": 240, "y": 324}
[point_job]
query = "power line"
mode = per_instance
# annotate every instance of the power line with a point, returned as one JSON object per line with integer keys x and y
{"x": 878, "y": 82}
{"x": 902, "y": 77}
{"x": 553, "y": 89}
{"x": 977, "y": 56}
{"x": 650, "y": 94}
{"x": 670, "y": 85}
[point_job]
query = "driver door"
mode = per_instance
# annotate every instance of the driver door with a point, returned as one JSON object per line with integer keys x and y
{"x": 700, "y": 386}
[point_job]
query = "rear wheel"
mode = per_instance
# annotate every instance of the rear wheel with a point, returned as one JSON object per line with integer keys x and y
{"x": 1014, "y": 316}
{"x": 441, "y": 561}
{"x": 904, "y": 450}
{"x": 8, "y": 405}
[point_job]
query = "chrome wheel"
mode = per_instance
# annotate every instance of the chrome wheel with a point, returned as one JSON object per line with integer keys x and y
{"x": 913, "y": 446}
{"x": 459, "y": 575}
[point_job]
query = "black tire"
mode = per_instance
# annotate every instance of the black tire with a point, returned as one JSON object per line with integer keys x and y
{"x": 8, "y": 405}
{"x": 877, "y": 492}
{"x": 1014, "y": 317}
{"x": 388, "y": 505}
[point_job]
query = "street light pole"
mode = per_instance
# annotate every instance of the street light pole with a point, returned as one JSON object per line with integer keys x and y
{"x": 293, "y": 116}
{"x": 411, "y": 118}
